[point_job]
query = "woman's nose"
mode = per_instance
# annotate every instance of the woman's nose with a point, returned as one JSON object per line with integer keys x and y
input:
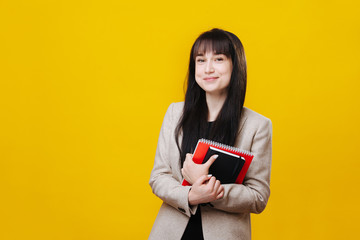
{"x": 209, "y": 67}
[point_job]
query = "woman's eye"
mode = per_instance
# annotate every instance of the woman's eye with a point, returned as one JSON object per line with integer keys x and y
{"x": 200, "y": 60}
{"x": 219, "y": 59}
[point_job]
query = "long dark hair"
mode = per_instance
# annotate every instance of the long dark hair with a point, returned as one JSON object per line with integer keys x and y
{"x": 193, "y": 123}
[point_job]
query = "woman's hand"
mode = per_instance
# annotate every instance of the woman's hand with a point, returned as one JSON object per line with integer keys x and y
{"x": 205, "y": 189}
{"x": 192, "y": 171}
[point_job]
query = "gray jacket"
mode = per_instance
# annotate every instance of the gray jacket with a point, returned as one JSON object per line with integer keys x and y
{"x": 228, "y": 217}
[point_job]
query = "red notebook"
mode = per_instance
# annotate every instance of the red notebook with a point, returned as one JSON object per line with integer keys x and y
{"x": 231, "y": 164}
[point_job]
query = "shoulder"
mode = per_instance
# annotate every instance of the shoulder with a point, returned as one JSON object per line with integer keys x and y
{"x": 255, "y": 129}
{"x": 252, "y": 119}
{"x": 174, "y": 113}
{"x": 248, "y": 113}
{"x": 177, "y": 108}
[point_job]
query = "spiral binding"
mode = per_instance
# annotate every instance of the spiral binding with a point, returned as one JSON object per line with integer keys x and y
{"x": 226, "y": 147}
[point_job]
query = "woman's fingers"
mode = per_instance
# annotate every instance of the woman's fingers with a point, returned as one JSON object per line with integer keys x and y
{"x": 183, "y": 172}
{"x": 205, "y": 189}
{"x": 188, "y": 159}
{"x": 202, "y": 180}
{"x": 217, "y": 186}
{"x": 211, "y": 183}
{"x": 211, "y": 161}
{"x": 206, "y": 186}
{"x": 220, "y": 189}
{"x": 221, "y": 193}
{"x": 192, "y": 171}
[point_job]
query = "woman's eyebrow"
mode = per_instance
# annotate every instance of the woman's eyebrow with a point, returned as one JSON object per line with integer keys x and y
{"x": 202, "y": 54}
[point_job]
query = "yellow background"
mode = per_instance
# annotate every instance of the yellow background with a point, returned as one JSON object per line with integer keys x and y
{"x": 84, "y": 86}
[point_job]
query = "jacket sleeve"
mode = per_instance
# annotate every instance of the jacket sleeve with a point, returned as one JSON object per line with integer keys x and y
{"x": 164, "y": 182}
{"x": 253, "y": 194}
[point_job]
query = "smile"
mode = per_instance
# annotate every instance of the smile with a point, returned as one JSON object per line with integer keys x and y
{"x": 210, "y": 78}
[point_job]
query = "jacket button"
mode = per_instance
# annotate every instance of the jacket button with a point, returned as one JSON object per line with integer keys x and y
{"x": 181, "y": 209}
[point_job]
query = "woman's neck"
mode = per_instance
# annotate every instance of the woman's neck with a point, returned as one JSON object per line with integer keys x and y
{"x": 214, "y": 103}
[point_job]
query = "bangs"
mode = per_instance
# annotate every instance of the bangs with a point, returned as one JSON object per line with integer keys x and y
{"x": 215, "y": 42}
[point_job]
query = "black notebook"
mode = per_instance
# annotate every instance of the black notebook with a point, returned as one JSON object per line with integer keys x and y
{"x": 226, "y": 167}
{"x": 231, "y": 165}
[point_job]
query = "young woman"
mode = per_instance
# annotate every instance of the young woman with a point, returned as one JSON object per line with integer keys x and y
{"x": 213, "y": 109}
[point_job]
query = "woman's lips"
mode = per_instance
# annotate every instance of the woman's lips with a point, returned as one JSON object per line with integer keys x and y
{"x": 210, "y": 78}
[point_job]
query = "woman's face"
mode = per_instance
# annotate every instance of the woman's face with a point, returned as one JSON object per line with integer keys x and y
{"x": 213, "y": 72}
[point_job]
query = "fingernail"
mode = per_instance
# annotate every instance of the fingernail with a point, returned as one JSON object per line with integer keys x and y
{"x": 215, "y": 156}
{"x": 209, "y": 175}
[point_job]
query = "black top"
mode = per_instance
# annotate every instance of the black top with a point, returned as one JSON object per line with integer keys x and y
{"x": 193, "y": 229}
